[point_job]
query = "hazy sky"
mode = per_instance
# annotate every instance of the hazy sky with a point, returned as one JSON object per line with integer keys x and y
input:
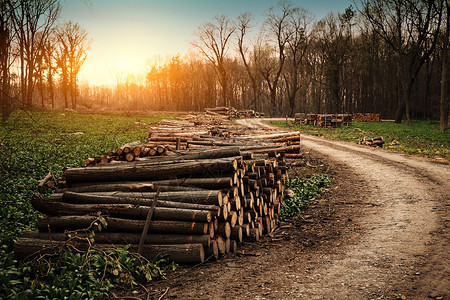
{"x": 128, "y": 35}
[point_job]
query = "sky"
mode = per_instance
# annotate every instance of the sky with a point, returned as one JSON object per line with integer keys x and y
{"x": 127, "y": 36}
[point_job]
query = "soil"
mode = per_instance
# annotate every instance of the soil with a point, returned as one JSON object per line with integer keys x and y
{"x": 380, "y": 232}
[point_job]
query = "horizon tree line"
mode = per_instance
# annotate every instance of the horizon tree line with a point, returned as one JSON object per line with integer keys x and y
{"x": 382, "y": 56}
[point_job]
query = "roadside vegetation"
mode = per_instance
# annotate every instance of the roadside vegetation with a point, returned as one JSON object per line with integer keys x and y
{"x": 305, "y": 192}
{"x": 32, "y": 143}
{"x": 423, "y": 138}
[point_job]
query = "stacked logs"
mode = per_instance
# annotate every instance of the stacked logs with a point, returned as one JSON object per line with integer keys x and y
{"x": 128, "y": 152}
{"x": 311, "y": 119}
{"x": 299, "y": 118}
{"x": 329, "y": 120}
{"x": 208, "y": 201}
{"x": 377, "y": 142}
{"x": 366, "y": 117}
{"x": 233, "y": 112}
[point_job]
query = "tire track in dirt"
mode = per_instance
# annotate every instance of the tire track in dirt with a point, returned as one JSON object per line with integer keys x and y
{"x": 408, "y": 198}
{"x": 404, "y": 250}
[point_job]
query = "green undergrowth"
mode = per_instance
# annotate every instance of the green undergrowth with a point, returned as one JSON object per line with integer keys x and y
{"x": 32, "y": 143}
{"x": 66, "y": 272}
{"x": 306, "y": 191}
{"x": 423, "y": 138}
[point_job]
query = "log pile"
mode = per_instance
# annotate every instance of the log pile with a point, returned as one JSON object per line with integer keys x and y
{"x": 233, "y": 112}
{"x": 128, "y": 152}
{"x": 219, "y": 185}
{"x": 311, "y": 119}
{"x": 377, "y": 142}
{"x": 212, "y": 196}
{"x": 329, "y": 120}
{"x": 299, "y": 118}
{"x": 366, "y": 117}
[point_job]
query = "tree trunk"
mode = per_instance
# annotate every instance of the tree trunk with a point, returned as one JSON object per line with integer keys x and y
{"x": 236, "y": 233}
{"x": 123, "y": 238}
{"x": 444, "y": 102}
{"x": 72, "y": 197}
{"x": 57, "y": 208}
{"x": 206, "y": 197}
{"x": 143, "y": 172}
{"x": 124, "y": 186}
{"x": 60, "y": 224}
{"x": 183, "y": 253}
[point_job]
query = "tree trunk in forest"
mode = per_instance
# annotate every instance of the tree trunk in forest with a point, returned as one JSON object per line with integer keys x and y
{"x": 444, "y": 102}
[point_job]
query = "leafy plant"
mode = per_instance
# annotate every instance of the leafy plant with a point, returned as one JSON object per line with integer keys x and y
{"x": 71, "y": 273}
{"x": 306, "y": 190}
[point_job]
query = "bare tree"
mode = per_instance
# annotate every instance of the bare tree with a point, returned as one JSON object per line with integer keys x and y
{"x": 243, "y": 25}
{"x": 444, "y": 101}
{"x": 29, "y": 18}
{"x": 73, "y": 44}
{"x": 411, "y": 28}
{"x": 49, "y": 57}
{"x": 6, "y": 37}
{"x": 213, "y": 42}
{"x": 278, "y": 33}
{"x": 299, "y": 27}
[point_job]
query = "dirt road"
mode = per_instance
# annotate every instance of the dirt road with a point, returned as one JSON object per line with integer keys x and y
{"x": 381, "y": 232}
{"x": 404, "y": 246}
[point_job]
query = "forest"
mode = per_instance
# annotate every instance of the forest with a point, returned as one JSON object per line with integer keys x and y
{"x": 382, "y": 56}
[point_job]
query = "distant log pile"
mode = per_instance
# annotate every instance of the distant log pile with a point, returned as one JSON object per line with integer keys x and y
{"x": 329, "y": 120}
{"x": 213, "y": 194}
{"x": 299, "y": 118}
{"x": 373, "y": 142}
{"x": 128, "y": 152}
{"x": 233, "y": 112}
{"x": 366, "y": 117}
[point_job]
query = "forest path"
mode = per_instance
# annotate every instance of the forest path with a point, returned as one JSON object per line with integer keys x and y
{"x": 405, "y": 220}
{"x": 380, "y": 232}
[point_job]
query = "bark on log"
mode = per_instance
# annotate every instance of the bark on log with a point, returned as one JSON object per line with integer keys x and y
{"x": 96, "y": 199}
{"x": 224, "y": 229}
{"x": 58, "y": 224}
{"x": 220, "y": 244}
{"x": 254, "y": 235}
{"x": 236, "y": 233}
{"x": 57, "y": 208}
{"x": 182, "y": 253}
{"x": 234, "y": 246}
{"x": 212, "y": 251}
{"x": 133, "y": 171}
{"x": 232, "y": 218}
{"x": 204, "y": 183}
{"x": 275, "y": 135}
{"x": 227, "y": 245}
{"x": 293, "y": 148}
{"x": 124, "y": 238}
{"x": 205, "y": 197}
{"x": 246, "y": 230}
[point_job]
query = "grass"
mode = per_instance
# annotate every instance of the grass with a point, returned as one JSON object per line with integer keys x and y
{"x": 423, "y": 138}
{"x": 32, "y": 143}
{"x": 37, "y": 142}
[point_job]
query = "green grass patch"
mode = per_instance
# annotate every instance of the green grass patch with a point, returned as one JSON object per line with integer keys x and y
{"x": 32, "y": 143}
{"x": 423, "y": 138}
{"x": 306, "y": 190}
